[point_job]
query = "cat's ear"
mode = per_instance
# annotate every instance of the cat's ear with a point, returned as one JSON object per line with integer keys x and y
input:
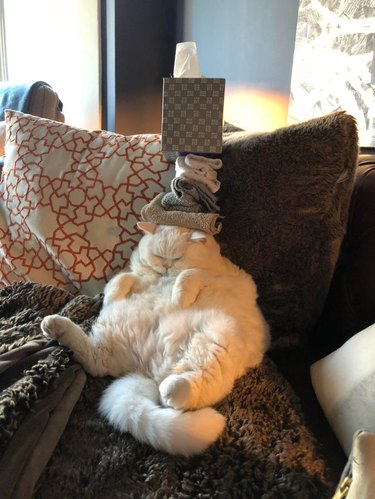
{"x": 199, "y": 237}
{"x": 147, "y": 227}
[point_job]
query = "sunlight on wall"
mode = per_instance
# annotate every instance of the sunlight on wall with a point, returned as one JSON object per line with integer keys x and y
{"x": 58, "y": 42}
{"x": 254, "y": 109}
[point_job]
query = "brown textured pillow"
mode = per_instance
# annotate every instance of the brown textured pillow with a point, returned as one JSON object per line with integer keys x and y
{"x": 285, "y": 197}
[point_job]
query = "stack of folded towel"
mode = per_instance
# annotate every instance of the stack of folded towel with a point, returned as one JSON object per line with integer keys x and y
{"x": 192, "y": 200}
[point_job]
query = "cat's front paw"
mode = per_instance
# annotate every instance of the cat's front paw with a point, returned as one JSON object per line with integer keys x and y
{"x": 118, "y": 288}
{"x": 176, "y": 391}
{"x": 176, "y": 297}
{"x": 182, "y": 297}
{"x": 186, "y": 288}
{"x": 54, "y": 326}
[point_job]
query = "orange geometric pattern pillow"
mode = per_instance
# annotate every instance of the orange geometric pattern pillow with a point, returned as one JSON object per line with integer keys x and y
{"x": 70, "y": 200}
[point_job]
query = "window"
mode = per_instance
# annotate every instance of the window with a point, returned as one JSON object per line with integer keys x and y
{"x": 57, "y": 42}
{"x": 334, "y": 63}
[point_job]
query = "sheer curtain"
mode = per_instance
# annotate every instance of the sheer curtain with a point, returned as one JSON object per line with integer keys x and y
{"x": 3, "y": 49}
{"x": 334, "y": 63}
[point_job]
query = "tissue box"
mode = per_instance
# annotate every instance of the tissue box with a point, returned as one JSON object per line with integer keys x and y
{"x": 192, "y": 119}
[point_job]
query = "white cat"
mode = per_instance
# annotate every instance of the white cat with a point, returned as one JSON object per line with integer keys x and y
{"x": 178, "y": 329}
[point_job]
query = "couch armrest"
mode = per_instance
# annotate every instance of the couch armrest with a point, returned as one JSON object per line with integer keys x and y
{"x": 350, "y": 306}
{"x": 37, "y": 98}
{"x": 45, "y": 103}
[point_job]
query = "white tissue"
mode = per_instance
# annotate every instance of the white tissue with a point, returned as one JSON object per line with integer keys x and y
{"x": 186, "y": 63}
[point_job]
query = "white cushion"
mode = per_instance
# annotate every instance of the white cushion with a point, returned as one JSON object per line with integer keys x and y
{"x": 344, "y": 383}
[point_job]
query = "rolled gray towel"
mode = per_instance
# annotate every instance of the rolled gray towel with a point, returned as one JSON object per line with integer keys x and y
{"x": 190, "y": 195}
{"x": 154, "y": 212}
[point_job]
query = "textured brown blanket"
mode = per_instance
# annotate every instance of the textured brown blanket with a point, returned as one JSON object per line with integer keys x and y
{"x": 266, "y": 450}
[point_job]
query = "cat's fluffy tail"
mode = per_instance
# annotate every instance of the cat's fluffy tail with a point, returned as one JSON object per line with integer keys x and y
{"x": 131, "y": 404}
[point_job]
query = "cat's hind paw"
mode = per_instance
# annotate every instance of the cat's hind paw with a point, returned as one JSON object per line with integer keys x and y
{"x": 54, "y": 326}
{"x": 176, "y": 391}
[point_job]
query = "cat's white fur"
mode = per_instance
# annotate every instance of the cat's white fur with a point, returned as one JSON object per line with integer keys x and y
{"x": 177, "y": 329}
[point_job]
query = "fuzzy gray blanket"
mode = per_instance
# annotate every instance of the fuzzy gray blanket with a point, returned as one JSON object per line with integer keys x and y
{"x": 54, "y": 443}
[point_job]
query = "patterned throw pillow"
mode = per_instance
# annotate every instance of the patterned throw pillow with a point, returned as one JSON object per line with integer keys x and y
{"x": 70, "y": 200}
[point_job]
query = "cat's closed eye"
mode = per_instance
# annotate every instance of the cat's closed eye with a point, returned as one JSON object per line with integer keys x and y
{"x": 170, "y": 258}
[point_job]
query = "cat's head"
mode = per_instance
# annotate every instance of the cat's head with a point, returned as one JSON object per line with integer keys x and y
{"x": 167, "y": 249}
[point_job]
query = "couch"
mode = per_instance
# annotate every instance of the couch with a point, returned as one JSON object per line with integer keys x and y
{"x": 348, "y": 310}
{"x": 297, "y": 213}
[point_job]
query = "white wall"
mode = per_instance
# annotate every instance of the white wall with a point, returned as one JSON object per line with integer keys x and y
{"x": 250, "y": 43}
{"x": 245, "y": 41}
{"x": 57, "y": 41}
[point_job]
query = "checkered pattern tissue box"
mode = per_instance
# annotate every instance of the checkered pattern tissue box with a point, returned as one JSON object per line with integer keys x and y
{"x": 192, "y": 118}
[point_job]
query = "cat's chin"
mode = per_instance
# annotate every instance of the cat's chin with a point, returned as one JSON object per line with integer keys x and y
{"x": 173, "y": 272}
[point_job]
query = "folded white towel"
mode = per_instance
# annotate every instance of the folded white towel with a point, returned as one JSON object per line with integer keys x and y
{"x": 202, "y": 163}
{"x": 207, "y": 177}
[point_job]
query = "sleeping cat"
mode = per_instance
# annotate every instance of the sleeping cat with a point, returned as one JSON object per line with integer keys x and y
{"x": 177, "y": 329}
